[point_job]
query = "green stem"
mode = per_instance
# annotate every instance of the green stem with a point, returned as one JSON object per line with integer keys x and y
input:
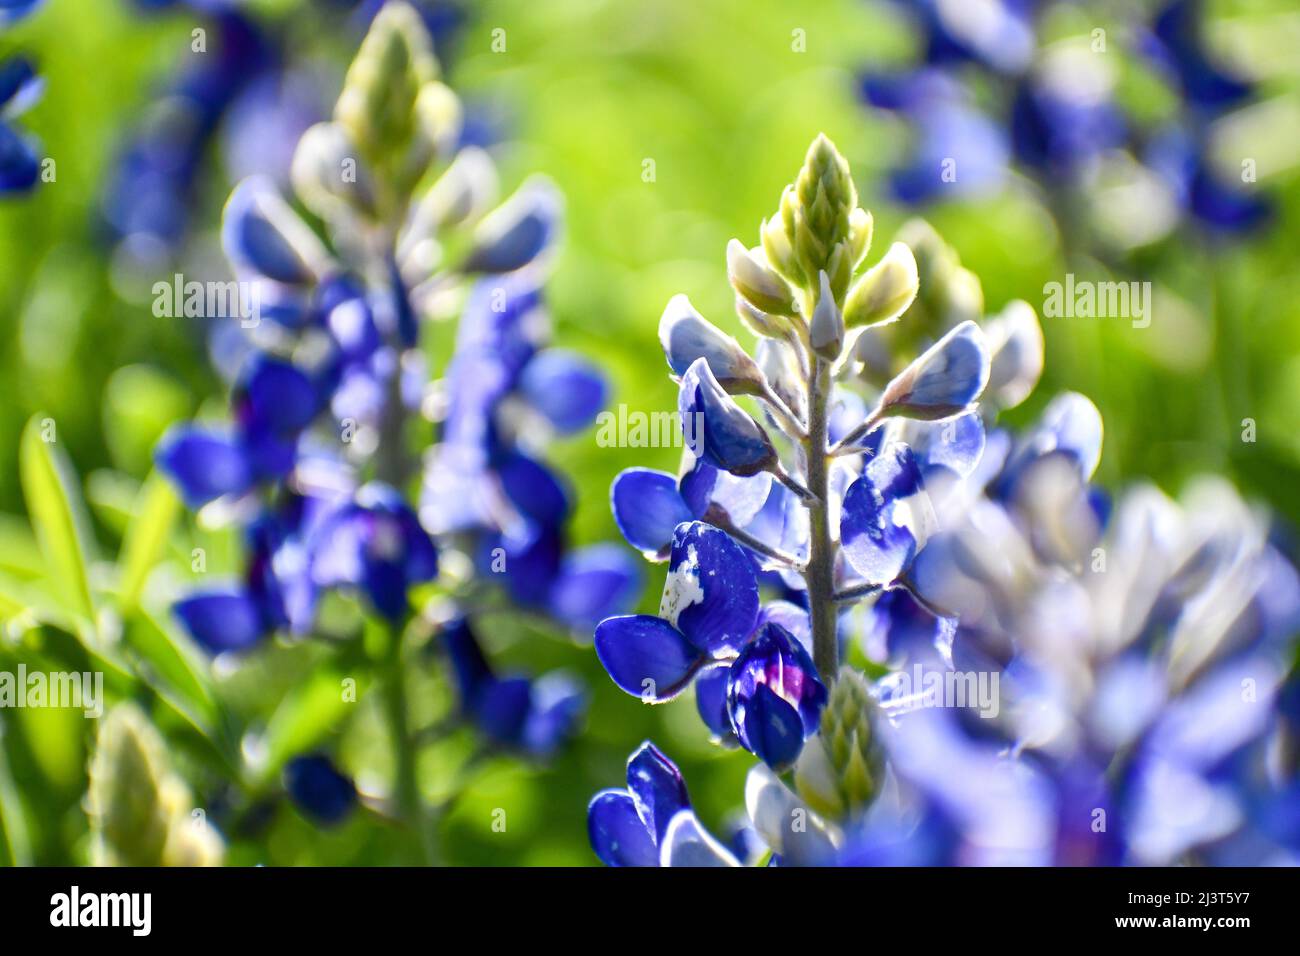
{"x": 406, "y": 787}
{"x": 820, "y": 575}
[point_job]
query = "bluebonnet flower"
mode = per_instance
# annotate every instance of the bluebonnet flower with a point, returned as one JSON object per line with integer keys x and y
{"x": 739, "y": 518}
{"x": 246, "y": 91}
{"x": 11, "y": 11}
{"x": 485, "y": 483}
{"x": 651, "y": 823}
{"x": 1066, "y": 679}
{"x": 20, "y": 87}
{"x": 991, "y": 94}
{"x": 325, "y": 794}
{"x": 534, "y": 716}
{"x": 152, "y": 187}
{"x": 319, "y": 455}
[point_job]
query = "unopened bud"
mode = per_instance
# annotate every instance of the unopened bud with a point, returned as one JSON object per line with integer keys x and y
{"x": 840, "y": 771}
{"x": 756, "y": 281}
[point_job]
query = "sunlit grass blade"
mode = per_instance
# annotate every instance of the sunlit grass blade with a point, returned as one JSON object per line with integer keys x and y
{"x": 48, "y": 491}
{"x": 156, "y": 509}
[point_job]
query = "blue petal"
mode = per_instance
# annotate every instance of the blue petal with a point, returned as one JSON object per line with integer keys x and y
{"x": 775, "y": 660}
{"x": 876, "y": 545}
{"x": 470, "y": 667}
{"x": 711, "y": 594}
{"x": 846, "y": 412}
{"x": 204, "y": 464}
{"x": 616, "y": 832}
{"x": 11, "y": 11}
{"x": 566, "y": 388}
{"x": 221, "y": 621}
{"x": 533, "y": 560}
{"x": 595, "y": 583}
{"x": 898, "y": 629}
{"x": 276, "y": 396}
{"x": 711, "y": 700}
{"x": 645, "y": 656}
{"x": 1179, "y": 28}
{"x": 715, "y": 495}
{"x": 19, "y": 166}
{"x": 252, "y": 233}
{"x": 557, "y": 706}
{"x": 949, "y": 132}
{"x": 501, "y": 709}
{"x": 792, "y": 618}
{"x": 376, "y": 543}
{"x": 351, "y": 322}
{"x": 19, "y": 85}
{"x": 1070, "y": 425}
{"x": 717, "y": 429}
{"x": 769, "y": 728}
{"x": 533, "y": 489}
{"x": 319, "y": 789}
{"x": 657, "y": 788}
{"x": 647, "y": 508}
{"x": 687, "y": 336}
{"x": 955, "y": 444}
{"x": 517, "y": 233}
{"x": 944, "y": 380}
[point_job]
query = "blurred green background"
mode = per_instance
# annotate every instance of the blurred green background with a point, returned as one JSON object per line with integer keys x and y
{"x": 717, "y": 98}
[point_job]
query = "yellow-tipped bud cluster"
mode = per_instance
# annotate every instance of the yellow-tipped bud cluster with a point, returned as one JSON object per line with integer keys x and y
{"x": 819, "y": 227}
{"x": 141, "y": 812}
{"x": 392, "y": 107}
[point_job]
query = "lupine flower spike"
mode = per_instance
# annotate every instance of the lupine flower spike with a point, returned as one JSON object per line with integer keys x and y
{"x": 877, "y": 514}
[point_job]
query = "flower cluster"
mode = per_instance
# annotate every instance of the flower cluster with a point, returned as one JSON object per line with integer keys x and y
{"x": 1056, "y": 678}
{"x": 20, "y": 87}
{"x": 839, "y": 510}
{"x": 998, "y": 89}
{"x": 243, "y": 90}
{"x": 330, "y": 386}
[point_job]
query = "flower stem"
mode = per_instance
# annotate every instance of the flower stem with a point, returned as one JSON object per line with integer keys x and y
{"x": 406, "y": 787}
{"x": 820, "y": 575}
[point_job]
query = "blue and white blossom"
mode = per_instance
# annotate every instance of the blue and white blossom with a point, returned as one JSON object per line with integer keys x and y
{"x": 1067, "y": 678}
{"x": 318, "y": 461}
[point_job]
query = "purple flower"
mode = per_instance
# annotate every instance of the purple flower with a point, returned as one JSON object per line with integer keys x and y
{"x": 534, "y": 716}
{"x": 319, "y": 789}
{"x": 651, "y": 822}
{"x": 718, "y": 429}
{"x": 20, "y": 165}
{"x": 375, "y": 545}
{"x": 774, "y": 698}
{"x": 882, "y": 525}
{"x": 751, "y": 669}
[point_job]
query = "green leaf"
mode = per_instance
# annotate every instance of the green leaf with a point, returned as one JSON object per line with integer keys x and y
{"x": 159, "y": 650}
{"x": 304, "y": 718}
{"x": 155, "y": 512}
{"x": 47, "y": 490}
{"x": 14, "y": 845}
